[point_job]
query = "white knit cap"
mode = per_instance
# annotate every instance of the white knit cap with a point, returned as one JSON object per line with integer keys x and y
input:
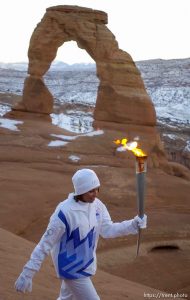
{"x": 85, "y": 180}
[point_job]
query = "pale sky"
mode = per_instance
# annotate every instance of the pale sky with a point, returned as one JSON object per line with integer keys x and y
{"x": 146, "y": 29}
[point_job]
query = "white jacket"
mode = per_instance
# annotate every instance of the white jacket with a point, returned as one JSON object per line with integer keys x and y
{"x": 72, "y": 236}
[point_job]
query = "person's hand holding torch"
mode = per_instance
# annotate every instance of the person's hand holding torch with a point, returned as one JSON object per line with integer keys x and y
{"x": 141, "y": 168}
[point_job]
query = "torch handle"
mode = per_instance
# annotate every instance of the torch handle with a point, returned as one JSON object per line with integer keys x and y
{"x": 141, "y": 178}
{"x": 141, "y": 193}
{"x": 138, "y": 241}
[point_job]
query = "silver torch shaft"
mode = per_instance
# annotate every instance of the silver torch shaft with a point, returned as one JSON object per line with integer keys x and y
{"x": 141, "y": 169}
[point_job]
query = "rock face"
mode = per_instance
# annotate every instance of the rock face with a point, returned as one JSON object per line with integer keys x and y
{"x": 122, "y": 97}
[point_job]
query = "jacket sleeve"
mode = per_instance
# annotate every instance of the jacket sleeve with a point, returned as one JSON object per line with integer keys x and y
{"x": 51, "y": 236}
{"x": 109, "y": 229}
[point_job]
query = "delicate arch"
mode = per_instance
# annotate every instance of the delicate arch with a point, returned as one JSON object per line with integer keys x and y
{"x": 121, "y": 98}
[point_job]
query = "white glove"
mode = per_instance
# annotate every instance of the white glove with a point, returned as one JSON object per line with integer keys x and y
{"x": 140, "y": 223}
{"x": 24, "y": 282}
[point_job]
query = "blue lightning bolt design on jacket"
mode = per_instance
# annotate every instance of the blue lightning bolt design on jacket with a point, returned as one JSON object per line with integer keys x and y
{"x": 75, "y": 254}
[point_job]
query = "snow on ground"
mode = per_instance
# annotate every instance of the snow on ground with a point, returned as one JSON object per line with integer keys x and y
{"x": 75, "y": 122}
{"x": 172, "y": 103}
{"x": 170, "y": 136}
{"x": 4, "y": 109}
{"x": 187, "y": 147}
{"x": 71, "y": 138}
{"x": 92, "y": 133}
{"x": 175, "y": 113}
{"x": 10, "y": 124}
{"x": 67, "y": 139}
{"x": 74, "y": 158}
{"x": 57, "y": 143}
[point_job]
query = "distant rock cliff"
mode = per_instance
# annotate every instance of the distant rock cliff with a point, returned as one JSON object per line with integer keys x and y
{"x": 168, "y": 84}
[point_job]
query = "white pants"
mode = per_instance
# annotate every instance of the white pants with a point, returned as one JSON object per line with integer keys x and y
{"x": 78, "y": 289}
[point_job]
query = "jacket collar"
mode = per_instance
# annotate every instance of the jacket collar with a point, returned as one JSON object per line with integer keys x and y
{"x": 78, "y": 205}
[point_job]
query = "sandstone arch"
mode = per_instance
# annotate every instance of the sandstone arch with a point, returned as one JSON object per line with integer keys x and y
{"x": 121, "y": 98}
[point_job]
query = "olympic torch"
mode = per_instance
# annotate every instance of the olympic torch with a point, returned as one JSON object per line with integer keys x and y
{"x": 141, "y": 169}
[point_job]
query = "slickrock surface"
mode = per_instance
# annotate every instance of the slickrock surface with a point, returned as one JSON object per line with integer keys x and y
{"x": 35, "y": 177}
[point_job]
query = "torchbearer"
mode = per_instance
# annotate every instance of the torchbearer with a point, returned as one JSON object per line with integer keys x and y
{"x": 72, "y": 238}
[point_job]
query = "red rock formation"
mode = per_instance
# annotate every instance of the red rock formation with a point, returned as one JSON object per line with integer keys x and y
{"x": 122, "y": 101}
{"x": 122, "y": 97}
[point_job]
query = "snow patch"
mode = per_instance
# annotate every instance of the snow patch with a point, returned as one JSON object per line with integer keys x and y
{"x": 65, "y": 137}
{"x": 10, "y": 124}
{"x": 57, "y": 143}
{"x": 170, "y": 136}
{"x": 75, "y": 122}
{"x": 4, "y": 109}
{"x": 187, "y": 147}
{"x": 72, "y": 138}
{"x": 96, "y": 132}
{"x": 74, "y": 158}
{"x": 68, "y": 138}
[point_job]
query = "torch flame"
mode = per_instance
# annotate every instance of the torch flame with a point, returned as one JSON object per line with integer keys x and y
{"x": 122, "y": 142}
{"x": 131, "y": 146}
